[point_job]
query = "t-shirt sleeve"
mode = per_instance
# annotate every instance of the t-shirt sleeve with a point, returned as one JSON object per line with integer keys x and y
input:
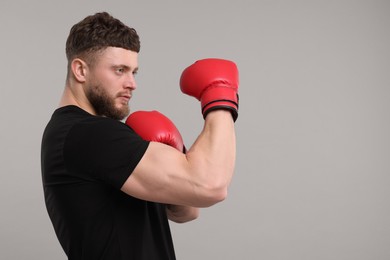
{"x": 103, "y": 150}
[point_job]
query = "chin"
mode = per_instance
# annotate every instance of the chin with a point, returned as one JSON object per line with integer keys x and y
{"x": 124, "y": 111}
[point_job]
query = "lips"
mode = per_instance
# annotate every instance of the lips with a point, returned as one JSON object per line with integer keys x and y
{"x": 125, "y": 97}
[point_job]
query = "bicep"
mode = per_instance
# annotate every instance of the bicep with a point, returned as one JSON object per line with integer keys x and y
{"x": 162, "y": 175}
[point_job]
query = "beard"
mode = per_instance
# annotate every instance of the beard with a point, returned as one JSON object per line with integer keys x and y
{"x": 104, "y": 104}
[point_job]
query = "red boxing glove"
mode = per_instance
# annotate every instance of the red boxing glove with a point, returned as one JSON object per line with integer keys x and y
{"x": 154, "y": 126}
{"x": 214, "y": 82}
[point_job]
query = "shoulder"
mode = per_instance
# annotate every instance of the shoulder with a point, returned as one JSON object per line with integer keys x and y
{"x": 102, "y": 123}
{"x": 102, "y": 130}
{"x": 102, "y": 143}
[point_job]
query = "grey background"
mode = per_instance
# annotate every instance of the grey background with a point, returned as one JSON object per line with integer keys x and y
{"x": 312, "y": 177}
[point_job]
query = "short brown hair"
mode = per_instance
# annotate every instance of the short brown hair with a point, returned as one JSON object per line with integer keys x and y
{"x": 97, "y": 32}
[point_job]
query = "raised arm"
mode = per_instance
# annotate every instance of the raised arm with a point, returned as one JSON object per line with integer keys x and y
{"x": 156, "y": 127}
{"x": 200, "y": 177}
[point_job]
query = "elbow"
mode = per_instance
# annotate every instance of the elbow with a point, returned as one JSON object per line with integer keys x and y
{"x": 210, "y": 187}
{"x": 218, "y": 195}
{"x": 212, "y": 196}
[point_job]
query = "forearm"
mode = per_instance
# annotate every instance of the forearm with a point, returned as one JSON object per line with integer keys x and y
{"x": 181, "y": 214}
{"x": 212, "y": 157}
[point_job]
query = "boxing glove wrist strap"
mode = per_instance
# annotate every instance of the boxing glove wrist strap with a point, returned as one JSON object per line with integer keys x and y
{"x": 220, "y": 98}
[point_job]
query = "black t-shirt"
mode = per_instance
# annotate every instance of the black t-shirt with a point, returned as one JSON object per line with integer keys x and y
{"x": 85, "y": 161}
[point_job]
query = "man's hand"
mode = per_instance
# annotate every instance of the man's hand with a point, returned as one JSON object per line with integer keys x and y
{"x": 214, "y": 82}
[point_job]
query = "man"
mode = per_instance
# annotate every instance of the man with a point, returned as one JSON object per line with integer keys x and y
{"x": 109, "y": 190}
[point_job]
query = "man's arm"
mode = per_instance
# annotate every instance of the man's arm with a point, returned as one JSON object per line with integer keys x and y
{"x": 154, "y": 126}
{"x": 182, "y": 214}
{"x": 200, "y": 177}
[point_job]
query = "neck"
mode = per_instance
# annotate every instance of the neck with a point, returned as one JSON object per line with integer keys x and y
{"x": 72, "y": 97}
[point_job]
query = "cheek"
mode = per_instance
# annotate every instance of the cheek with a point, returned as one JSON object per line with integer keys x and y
{"x": 109, "y": 85}
{"x": 109, "y": 81}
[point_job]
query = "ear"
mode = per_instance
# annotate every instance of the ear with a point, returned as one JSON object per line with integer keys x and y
{"x": 79, "y": 70}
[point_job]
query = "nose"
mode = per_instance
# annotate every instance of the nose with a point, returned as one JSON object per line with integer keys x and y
{"x": 130, "y": 82}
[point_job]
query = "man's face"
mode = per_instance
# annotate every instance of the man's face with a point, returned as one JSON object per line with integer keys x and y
{"x": 111, "y": 82}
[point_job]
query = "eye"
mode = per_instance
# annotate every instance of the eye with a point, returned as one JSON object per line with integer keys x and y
{"x": 120, "y": 70}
